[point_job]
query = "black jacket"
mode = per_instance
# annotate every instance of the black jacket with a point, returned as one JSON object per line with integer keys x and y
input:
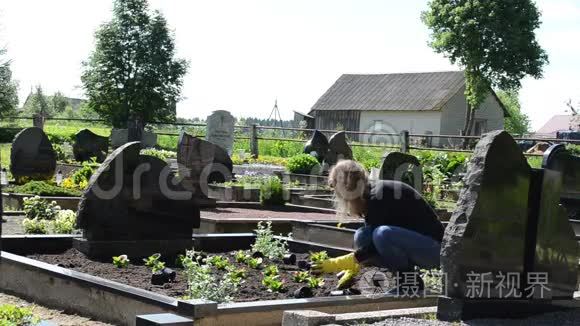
{"x": 398, "y": 204}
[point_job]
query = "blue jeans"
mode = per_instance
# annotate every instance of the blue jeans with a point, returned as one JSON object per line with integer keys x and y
{"x": 398, "y": 249}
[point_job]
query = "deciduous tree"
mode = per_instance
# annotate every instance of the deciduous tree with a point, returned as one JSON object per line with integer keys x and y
{"x": 492, "y": 40}
{"x": 132, "y": 71}
{"x": 8, "y": 87}
{"x": 517, "y": 122}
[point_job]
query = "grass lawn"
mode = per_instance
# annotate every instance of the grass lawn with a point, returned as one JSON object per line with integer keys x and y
{"x": 5, "y": 155}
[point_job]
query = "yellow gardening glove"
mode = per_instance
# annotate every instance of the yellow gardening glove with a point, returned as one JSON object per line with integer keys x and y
{"x": 346, "y": 264}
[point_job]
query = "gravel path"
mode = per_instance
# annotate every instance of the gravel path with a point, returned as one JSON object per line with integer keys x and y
{"x": 569, "y": 318}
{"x": 13, "y": 225}
{"x": 54, "y": 316}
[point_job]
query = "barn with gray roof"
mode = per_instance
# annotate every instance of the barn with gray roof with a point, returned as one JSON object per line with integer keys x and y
{"x": 423, "y": 103}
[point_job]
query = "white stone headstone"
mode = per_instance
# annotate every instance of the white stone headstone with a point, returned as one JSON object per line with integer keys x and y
{"x": 220, "y": 129}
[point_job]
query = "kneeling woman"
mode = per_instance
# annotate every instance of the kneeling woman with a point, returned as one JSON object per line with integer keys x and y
{"x": 401, "y": 229}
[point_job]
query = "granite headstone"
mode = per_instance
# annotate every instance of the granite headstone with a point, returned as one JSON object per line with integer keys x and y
{"x": 32, "y": 156}
{"x": 133, "y": 205}
{"x": 402, "y": 167}
{"x": 88, "y": 144}
{"x": 508, "y": 221}
{"x": 317, "y": 146}
{"x": 201, "y": 163}
{"x": 338, "y": 149}
{"x": 220, "y": 129}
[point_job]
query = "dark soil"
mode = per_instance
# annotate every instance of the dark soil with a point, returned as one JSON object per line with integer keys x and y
{"x": 251, "y": 289}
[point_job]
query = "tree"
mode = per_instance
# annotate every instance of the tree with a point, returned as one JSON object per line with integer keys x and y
{"x": 493, "y": 41}
{"x": 58, "y": 102}
{"x": 8, "y": 88}
{"x": 132, "y": 71}
{"x": 518, "y": 122}
{"x": 38, "y": 103}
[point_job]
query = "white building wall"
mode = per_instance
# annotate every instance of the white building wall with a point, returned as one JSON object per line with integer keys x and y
{"x": 453, "y": 114}
{"x": 417, "y": 122}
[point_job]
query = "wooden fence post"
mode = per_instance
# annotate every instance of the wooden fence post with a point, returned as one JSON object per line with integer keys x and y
{"x": 254, "y": 141}
{"x": 405, "y": 141}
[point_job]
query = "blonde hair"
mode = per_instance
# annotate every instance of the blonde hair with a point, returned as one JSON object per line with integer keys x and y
{"x": 350, "y": 182}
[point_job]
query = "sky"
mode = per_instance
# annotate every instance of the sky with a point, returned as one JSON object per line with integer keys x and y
{"x": 245, "y": 54}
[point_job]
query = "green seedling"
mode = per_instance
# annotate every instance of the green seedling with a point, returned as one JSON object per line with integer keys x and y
{"x": 317, "y": 257}
{"x": 315, "y": 282}
{"x": 271, "y": 270}
{"x": 180, "y": 261}
{"x": 121, "y": 261}
{"x": 154, "y": 263}
{"x": 219, "y": 262}
{"x": 273, "y": 283}
{"x": 300, "y": 277}
{"x": 237, "y": 274}
{"x": 241, "y": 257}
{"x": 255, "y": 263}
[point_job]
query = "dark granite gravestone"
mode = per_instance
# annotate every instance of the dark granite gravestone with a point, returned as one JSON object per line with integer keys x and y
{"x": 402, "y": 167}
{"x": 201, "y": 163}
{"x": 32, "y": 156}
{"x": 507, "y": 222}
{"x": 338, "y": 149}
{"x": 134, "y": 206}
{"x": 88, "y": 144}
{"x": 317, "y": 146}
{"x": 557, "y": 158}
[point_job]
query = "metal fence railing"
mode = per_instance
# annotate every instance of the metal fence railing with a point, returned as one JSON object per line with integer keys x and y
{"x": 404, "y": 141}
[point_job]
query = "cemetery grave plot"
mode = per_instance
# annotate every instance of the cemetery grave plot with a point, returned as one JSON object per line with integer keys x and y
{"x": 250, "y": 289}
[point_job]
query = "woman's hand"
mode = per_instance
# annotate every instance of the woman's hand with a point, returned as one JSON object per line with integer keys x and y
{"x": 347, "y": 265}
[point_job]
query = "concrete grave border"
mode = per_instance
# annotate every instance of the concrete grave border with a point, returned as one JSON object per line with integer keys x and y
{"x": 114, "y": 302}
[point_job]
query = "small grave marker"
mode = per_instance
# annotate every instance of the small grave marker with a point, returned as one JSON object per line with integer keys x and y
{"x": 88, "y": 144}
{"x": 220, "y": 129}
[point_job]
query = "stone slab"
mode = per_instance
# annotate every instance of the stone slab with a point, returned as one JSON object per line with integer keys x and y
{"x": 136, "y": 248}
{"x": 165, "y": 319}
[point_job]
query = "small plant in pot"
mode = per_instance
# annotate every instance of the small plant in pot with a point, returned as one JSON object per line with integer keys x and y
{"x": 160, "y": 274}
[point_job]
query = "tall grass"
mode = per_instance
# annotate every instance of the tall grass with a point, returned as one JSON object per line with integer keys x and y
{"x": 5, "y": 155}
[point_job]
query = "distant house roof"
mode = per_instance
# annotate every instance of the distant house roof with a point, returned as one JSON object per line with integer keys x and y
{"x": 75, "y": 103}
{"x": 427, "y": 91}
{"x": 555, "y": 124}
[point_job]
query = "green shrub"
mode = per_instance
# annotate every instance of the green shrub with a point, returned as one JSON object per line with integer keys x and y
{"x": 43, "y": 188}
{"x": 65, "y": 222}
{"x": 7, "y": 134}
{"x": 83, "y": 174}
{"x": 272, "y": 192}
{"x": 35, "y": 207}
{"x": 574, "y": 149}
{"x": 159, "y": 153}
{"x": 303, "y": 164}
{"x": 60, "y": 153}
{"x": 203, "y": 284}
{"x": 35, "y": 226}
{"x": 60, "y": 138}
{"x": 267, "y": 244}
{"x": 13, "y": 315}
